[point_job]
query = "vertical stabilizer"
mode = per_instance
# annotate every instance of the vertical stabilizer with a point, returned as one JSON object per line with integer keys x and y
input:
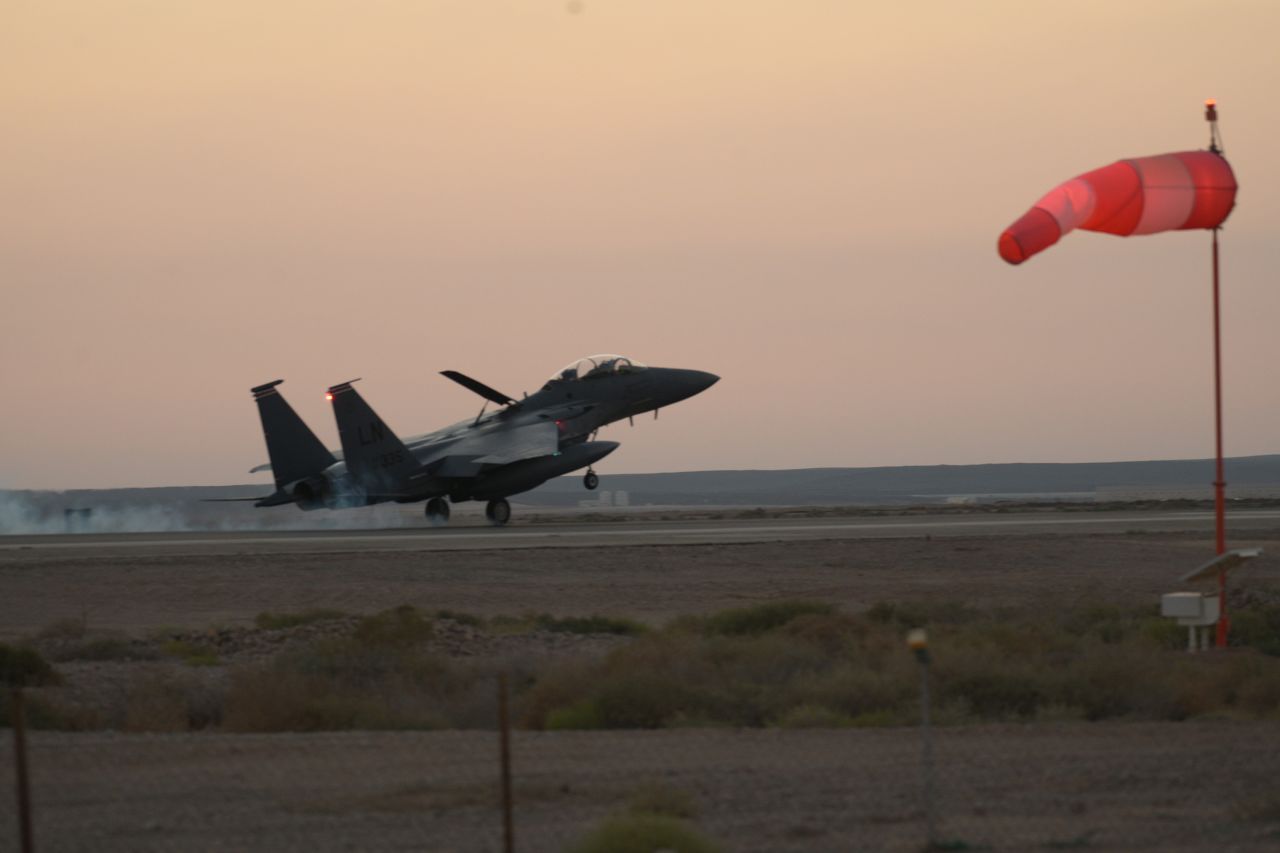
{"x": 294, "y": 450}
{"x": 375, "y": 457}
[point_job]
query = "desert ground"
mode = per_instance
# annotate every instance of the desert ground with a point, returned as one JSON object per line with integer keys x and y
{"x": 136, "y": 583}
{"x": 1116, "y": 785}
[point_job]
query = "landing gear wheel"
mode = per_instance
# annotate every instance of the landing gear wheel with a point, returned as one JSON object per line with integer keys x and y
{"x": 438, "y": 511}
{"x": 498, "y": 512}
{"x": 591, "y": 480}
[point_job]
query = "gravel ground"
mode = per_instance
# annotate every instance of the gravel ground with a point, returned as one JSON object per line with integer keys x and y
{"x": 650, "y": 583}
{"x": 1115, "y": 786}
{"x": 1136, "y": 786}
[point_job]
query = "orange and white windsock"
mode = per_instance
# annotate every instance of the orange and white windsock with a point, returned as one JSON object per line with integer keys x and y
{"x": 1146, "y": 195}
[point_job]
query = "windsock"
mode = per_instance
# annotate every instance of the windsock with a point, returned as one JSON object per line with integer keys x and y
{"x": 1146, "y": 195}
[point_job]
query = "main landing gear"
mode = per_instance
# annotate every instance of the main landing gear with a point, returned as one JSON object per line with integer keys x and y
{"x": 438, "y": 511}
{"x": 591, "y": 480}
{"x": 498, "y": 512}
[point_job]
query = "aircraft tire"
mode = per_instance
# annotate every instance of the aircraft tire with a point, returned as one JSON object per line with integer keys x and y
{"x": 591, "y": 480}
{"x": 438, "y": 511}
{"x": 498, "y": 512}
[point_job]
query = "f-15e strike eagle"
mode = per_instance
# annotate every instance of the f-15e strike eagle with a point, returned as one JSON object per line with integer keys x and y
{"x": 490, "y": 457}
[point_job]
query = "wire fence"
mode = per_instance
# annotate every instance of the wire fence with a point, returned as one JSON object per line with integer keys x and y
{"x": 1017, "y": 786}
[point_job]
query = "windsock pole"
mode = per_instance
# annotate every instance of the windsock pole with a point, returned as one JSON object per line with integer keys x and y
{"x": 1219, "y": 480}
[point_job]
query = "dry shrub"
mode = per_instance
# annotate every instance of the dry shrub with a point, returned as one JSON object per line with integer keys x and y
{"x": 813, "y": 717}
{"x": 590, "y": 625}
{"x": 381, "y": 677}
{"x": 403, "y": 627}
{"x": 792, "y": 666}
{"x": 854, "y": 690}
{"x": 170, "y": 702}
{"x": 276, "y": 621}
{"x": 23, "y": 666}
{"x": 644, "y": 834}
{"x": 997, "y": 695}
{"x": 42, "y": 709}
{"x": 561, "y": 687}
{"x": 833, "y": 633}
{"x": 584, "y": 714}
{"x": 192, "y": 654}
{"x": 762, "y": 618}
{"x": 268, "y": 700}
{"x": 1258, "y": 626}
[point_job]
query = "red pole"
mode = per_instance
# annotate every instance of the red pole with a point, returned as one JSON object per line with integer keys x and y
{"x": 1219, "y": 482}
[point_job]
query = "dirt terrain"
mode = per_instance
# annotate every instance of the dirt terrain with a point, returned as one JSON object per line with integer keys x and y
{"x": 1120, "y": 786}
{"x": 651, "y": 583}
{"x": 1114, "y": 786}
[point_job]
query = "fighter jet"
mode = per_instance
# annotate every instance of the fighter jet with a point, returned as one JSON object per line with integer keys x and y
{"x": 511, "y": 449}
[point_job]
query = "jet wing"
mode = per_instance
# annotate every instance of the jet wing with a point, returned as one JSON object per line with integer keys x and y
{"x": 469, "y": 456}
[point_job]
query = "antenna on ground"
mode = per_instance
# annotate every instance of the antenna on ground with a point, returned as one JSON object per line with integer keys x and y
{"x": 1211, "y": 116}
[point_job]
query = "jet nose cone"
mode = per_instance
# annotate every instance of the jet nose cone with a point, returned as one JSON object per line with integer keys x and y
{"x": 684, "y": 384}
{"x": 701, "y": 380}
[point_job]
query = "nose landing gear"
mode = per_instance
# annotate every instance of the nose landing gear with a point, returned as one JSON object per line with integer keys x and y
{"x": 591, "y": 480}
{"x": 498, "y": 512}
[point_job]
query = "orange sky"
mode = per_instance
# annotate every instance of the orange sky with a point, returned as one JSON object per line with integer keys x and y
{"x": 803, "y": 197}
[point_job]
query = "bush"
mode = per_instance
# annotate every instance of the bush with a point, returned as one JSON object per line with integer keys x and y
{"x": 1163, "y": 633}
{"x": 192, "y": 654}
{"x": 402, "y": 627}
{"x": 378, "y": 678}
{"x": 102, "y": 648}
{"x": 814, "y": 717}
{"x": 22, "y": 666}
{"x": 40, "y": 712}
{"x": 267, "y": 700}
{"x": 997, "y": 694}
{"x": 164, "y": 702}
{"x": 276, "y": 621}
{"x": 580, "y": 715}
{"x": 644, "y": 834}
{"x": 461, "y": 618}
{"x": 762, "y": 618}
{"x": 1257, "y": 626}
{"x": 590, "y": 625}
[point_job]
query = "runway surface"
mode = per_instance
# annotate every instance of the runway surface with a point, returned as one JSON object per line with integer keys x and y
{"x": 585, "y": 535}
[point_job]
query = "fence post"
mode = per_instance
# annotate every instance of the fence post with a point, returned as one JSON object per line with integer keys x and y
{"x": 18, "y": 713}
{"x": 919, "y": 643}
{"x": 504, "y": 729}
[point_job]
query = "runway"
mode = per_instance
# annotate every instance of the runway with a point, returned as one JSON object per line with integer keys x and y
{"x": 623, "y": 533}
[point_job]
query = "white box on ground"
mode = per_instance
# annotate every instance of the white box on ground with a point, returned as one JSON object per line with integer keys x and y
{"x": 1190, "y": 608}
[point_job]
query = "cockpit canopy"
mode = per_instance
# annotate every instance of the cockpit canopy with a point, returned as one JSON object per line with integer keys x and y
{"x": 595, "y": 365}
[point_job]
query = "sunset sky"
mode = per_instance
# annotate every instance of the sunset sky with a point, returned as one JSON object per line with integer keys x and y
{"x": 803, "y": 197}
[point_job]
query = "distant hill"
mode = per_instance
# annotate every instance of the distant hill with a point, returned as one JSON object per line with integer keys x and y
{"x": 913, "y": 484}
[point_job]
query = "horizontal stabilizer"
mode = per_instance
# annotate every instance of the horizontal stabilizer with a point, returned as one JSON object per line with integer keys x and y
{"x": 478, "y": 387}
